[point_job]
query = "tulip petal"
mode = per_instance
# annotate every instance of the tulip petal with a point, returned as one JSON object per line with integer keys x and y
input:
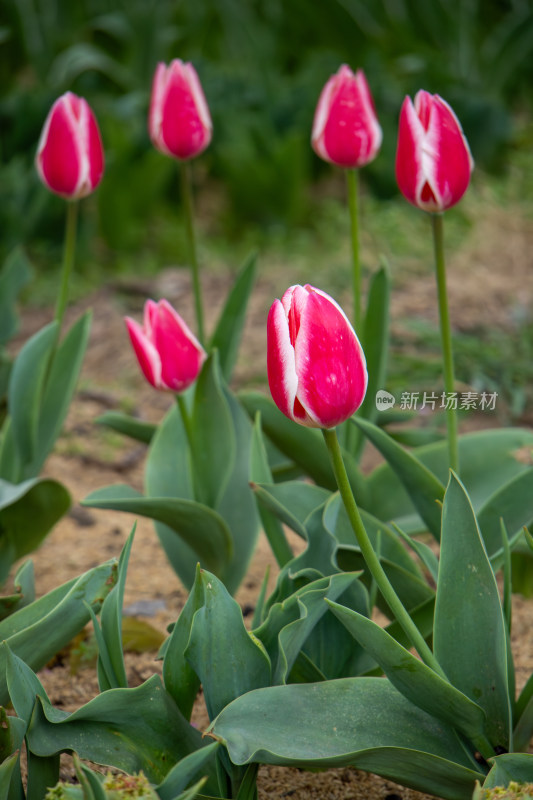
{"x": 346, "y": 131}
{"x": 179, "y": 120}
{"x": 454, "y": 164}
{"x": 180, "y": 352}
{"x": 147, "y": 355}
{"x": 282, "y": 378}
{"x": 330, "y": 362}
{"x": 58, "y": 158}
{"x": 410, "y": 169}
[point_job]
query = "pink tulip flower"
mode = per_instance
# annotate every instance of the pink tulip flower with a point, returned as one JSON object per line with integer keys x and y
{"x": 346, "y": 131}
{"x": 179, "y": 122}
{"x": 433, "y": 159}
{"x": 70, "y": 157}
{"x": 316, "y": 365}
{"x": 168, "y": 353}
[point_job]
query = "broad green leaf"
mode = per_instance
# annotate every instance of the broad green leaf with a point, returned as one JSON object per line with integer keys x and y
{"x": 24, "y": 583}
{"x": 25, "y": 392}
{"x": 290, "y": 623}
{"x": 61, "y": 380}
{"x": 524, "y": 717}
{"x": 38, "y": 631}
{"x": 375, "y": 338}
{"x": 513, "y": 503}
{"x": 16, "y": 272}
{"x": 43, "y": 772}
{"x": 123, "y": 728}
{"x": 111, "y": 623}
{"x": 423, "y": 551}
{"x": 226, "y": 657}
{"x": 228, "y": 332}
{"x": 214, "y": 448}
{"x": 304, "y": 446}
{"x": 489, "y": 460}
{"x": 414, "y": 679}
{"x": 260, "y": 473}
{"x": 22, "y": 683}
{"x": 8, "y": 772}
{"x": 185, "y": 771}
{"x": 12, "y": 730}
{"x": 424, "y": 489}
{"x": 168, "y": 474}
{"x": 181, "y": 681}
{"x": 359, "y": 722}
{"x": 291, "y": 501}
{"x": 28, "y": 512}
{"x": 469, "y": 633}
{"x": 199, "y": 526}
{"x": 237, "y": 505}
{"x": 510, "y": 767}
{"x": 136, "y": 429}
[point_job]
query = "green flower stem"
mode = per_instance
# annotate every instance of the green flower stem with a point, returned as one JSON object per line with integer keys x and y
{"x": 69, "y": 250}
{"x": 352, "y": 178}
{"x": 446, "y": 339}
{"x": 370, "y": 557}
{"x": 186, "y": 420}
{"x": 186, "y": 194}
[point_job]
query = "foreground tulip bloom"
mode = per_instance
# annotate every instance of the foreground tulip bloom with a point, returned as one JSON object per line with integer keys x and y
{"x": 167, "y": 351}
{"x": 179, "y": 122}
{"x": 316, "y": 365}
{"x": 70, "y": 157}
{"x": 346, "y": 131}
{"x": 433, "y": 159}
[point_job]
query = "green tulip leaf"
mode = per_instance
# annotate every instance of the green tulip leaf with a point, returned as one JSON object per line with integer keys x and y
{"x": 375, "y": 338}
{"x": 28, "y": 512}
{"x": 123, "y": 728}
{"x": 181, "y": 681}
{"x": 9, "y": 769}
{"x": 24, "y": 583}
{"x": 25, "y": 393}
{"x": 227, "y": 659}
{"x": 513, "y": 503}
{"x": 204, "y": 531}
{"x": 136, "y": 429}
{"x": 16, "y": 272}
{"x": 61, "y": 380}
{"x": 469, "y": 633}
{"x": 237, "y": 505}
{"x": 185, "y": 771}
{"x": 213, "y": 449}
{"x": 228, "y": 332}
{"x": 510, "y": 767}
{"x": 303, "y": 446}
{"x": 489, "y": 460}
{"x": 361, "y": 722}
{"x": 38, "y": 631}
{"x": 414, "y": 679}
{"x": 423, "y": 488}
{"x": 12, "y": 730}
{"x": 260, "y": 473}
{"x": 291, "y": 501}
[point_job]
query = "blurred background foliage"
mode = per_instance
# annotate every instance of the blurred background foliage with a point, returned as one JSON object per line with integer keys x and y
{"x": 262, "y": 64}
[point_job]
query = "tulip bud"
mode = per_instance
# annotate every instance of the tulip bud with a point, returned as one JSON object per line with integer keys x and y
{"x": 179, "y": 122}
{"x": 433, "y": 159}
{"x": 168, "y": 353}
{"x": 70, "y": 157}
{"x": 346, "y": 131}
{"x": 316, "y": 365}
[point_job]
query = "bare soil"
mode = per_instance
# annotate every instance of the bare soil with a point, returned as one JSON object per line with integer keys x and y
{"x": 488, "y": 286}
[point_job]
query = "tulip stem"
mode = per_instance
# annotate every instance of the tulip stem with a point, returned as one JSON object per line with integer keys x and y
{"x": 371, "y": 559}
{"x": 69, "y": 250}
{"x": 352, "y": 178}
{"x": 186, "y": 195}
{"x": 446, "y": 341}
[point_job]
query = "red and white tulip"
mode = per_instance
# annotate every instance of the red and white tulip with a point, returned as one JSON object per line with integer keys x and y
{"x": 179, "y": 122}
{"x": 168, "y": 353}
{"x": 70, "y": 156}
{"x": 433, "y": 159}
{"x": 316, "y": 365}
{"x": 346, "y": 131}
